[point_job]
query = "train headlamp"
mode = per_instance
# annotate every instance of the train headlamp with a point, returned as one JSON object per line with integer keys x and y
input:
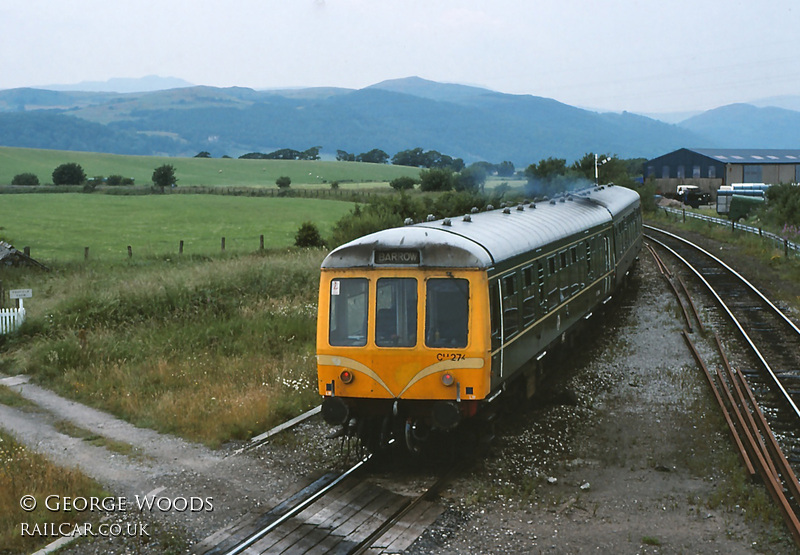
{"x": 448, "y": 379}
{"x": 346, "y": 376}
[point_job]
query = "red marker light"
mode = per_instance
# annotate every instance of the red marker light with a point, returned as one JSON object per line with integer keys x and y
{"x": 448, "y": 379}
{"x": 346, "y": 376}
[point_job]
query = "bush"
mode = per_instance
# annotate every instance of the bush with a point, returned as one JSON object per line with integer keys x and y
{"x": 116, "y": 179}
{"x": 25, "y": 179}
{"x": 783, "y": 205}
{"x": 402, "y": 183}
{"x": 308, "y": 236}
{"x": 283, "y": 182}
{"x": 69, "y": 174}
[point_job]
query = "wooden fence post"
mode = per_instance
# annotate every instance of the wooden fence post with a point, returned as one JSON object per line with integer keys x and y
{"x": 130, "y": 251}
{"x": 223, "y": 243}
{"x": 180, "y": 248}
{"x": 261, "y": 242}
{"x": 86, "y": 253}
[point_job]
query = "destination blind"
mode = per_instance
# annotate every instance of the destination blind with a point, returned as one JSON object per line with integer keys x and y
{"x": 397, "y": 256}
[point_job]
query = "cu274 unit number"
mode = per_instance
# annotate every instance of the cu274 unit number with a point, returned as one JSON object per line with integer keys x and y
{"x": 450, "y": 356}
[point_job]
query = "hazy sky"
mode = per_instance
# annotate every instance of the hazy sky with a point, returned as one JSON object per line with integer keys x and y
{"x": 636, "y": 55}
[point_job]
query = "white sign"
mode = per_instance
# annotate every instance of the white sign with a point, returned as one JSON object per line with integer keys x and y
{"x": 20, "y": 293}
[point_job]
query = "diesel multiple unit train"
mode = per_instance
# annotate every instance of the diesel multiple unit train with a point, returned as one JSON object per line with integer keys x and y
{"x": 421, "y": 326}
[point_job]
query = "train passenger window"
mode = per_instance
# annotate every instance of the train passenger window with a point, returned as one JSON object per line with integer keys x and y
{"x": 528, "y": 296}
{"x": 348, "y": 312}
{"x": 551, "y": 264}
{"x": 574, "y": 254}
{"x": 510, "y": 308}
{"x": 447, "y": 312}
{"x": 563, "y": 256}
{"x": 396, "y": 312}
{"x": 527, "y": 276}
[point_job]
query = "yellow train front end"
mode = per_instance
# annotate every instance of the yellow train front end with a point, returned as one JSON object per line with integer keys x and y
{"x": 402, "y": 346}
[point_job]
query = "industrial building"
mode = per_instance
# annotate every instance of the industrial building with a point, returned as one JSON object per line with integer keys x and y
{"x": 709, "y": 168}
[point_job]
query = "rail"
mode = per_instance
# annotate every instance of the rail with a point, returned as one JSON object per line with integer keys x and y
{"x": 783, "y": 242}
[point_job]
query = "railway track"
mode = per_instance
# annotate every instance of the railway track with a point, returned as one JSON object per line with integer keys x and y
{"x": 338, "y": 513}
{"x": 759, "y": 394}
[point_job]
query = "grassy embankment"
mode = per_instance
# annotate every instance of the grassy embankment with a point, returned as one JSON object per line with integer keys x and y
{"x": 208, "y": 346}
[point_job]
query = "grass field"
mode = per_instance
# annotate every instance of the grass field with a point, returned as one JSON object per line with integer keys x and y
{"x": 208, "y": 348}
{"x": 57, "y": 227}
{"x": 215, "y": 172}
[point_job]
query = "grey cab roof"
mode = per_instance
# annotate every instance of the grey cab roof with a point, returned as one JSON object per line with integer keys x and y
{"x": 484, "y": 239}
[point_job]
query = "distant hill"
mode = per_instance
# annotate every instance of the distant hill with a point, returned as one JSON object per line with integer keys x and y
{"x": 472, "y": 123}
{"x": 746, "y": 126}
{"x": 124, "y": 85}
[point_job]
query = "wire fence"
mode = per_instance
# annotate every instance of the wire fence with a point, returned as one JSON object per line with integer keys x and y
{"x": 781, "y": 242}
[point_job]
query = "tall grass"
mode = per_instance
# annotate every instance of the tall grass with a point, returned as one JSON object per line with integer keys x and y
{"x": 23, "y": 472}
{"x": 211, "y": 350}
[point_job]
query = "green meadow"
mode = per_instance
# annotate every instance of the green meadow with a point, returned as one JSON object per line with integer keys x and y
{"x": 57, "y": 227}
{"x": 212, "y": 346}
{"x": 213, "y": 172}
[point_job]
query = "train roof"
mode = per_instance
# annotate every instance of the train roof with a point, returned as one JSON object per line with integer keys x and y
{"x": 483, "y": 239}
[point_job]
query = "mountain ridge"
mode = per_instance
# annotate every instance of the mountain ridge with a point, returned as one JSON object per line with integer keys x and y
{"x": 469, "y": 122}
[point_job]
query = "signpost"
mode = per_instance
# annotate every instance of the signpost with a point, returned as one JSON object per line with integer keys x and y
{"x": 20, "y": 294}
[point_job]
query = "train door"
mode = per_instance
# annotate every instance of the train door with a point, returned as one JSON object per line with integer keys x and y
{"x": 496, "y": 315}
{"x": 608, "y": 255}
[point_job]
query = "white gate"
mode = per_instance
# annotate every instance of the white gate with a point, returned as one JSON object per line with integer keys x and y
{"x": 11, "y": 319}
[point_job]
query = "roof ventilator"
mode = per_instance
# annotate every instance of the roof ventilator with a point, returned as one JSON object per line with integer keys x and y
{"x": 408, "y": 221}
{"x": 506, "y": 210}
{"x": 467, "y": 218}
{"x": 446, "y": 222}
{"x": 520, "y": 208}
{"x": 430, "y": 218}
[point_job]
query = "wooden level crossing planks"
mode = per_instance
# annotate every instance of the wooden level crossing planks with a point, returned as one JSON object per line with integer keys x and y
{"x": 337, "y": 523}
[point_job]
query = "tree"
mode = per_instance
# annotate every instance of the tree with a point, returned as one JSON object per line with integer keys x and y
{"x": 436, "y": 179}
{"x": 470, "y": 179}
{"x": 308, "y": 236}
{"x": 344, "y": 156}
{"x": 164, "y": 176}
{"x": 374, "y": 156}
{"x": 283, "y": 182}
{"x": 203, "y": 154}
{"x": 310, "y": 154}
{"x": 505, "y": 169}
{"x": 69, "y": 174}
{"x": 25, "y": 179}
{"x": 402, "y": 183}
